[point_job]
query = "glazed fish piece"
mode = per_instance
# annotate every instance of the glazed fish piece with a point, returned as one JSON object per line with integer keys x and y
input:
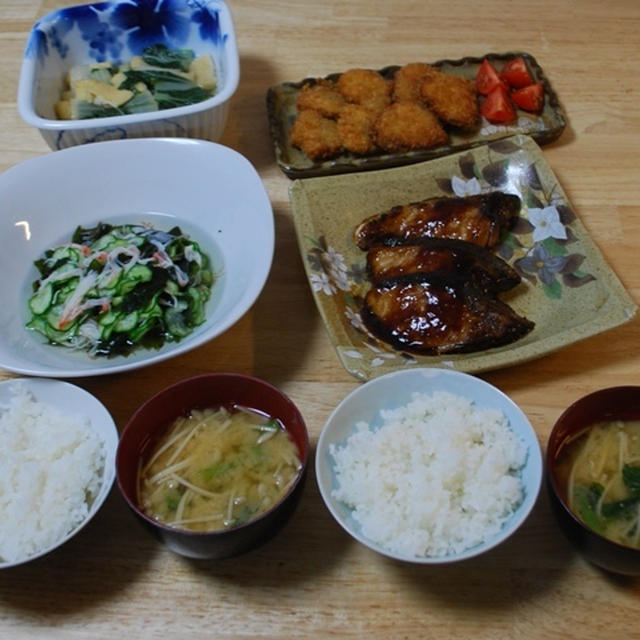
{"x": 442, "y": 257}
{"x": 439, "y": 316}
{"x": 478, "y": 219}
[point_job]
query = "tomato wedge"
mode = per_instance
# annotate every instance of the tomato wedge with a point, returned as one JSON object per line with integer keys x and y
{"x": 515, "y": 72}
{"x": 530, "y": 98}
{"x": 497, "y": 107}
{"x": 487, "y": 78}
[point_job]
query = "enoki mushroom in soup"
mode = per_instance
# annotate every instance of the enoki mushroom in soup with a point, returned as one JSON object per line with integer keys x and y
{"x": 600, "y": 471}
{"x": 218, "y": 468}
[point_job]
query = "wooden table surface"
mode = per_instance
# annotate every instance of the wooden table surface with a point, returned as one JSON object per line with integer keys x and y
{"x": 312, "y": 580}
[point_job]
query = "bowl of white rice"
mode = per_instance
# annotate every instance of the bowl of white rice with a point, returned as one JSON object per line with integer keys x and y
{"x": 57, "y": 465}
{"x": 428, "y": 465}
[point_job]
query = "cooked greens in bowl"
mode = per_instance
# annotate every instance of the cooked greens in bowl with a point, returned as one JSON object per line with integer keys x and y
{"x": 114, "y": 33}
{"x": 113, "y": 288}
{"x": 159, "y": 78}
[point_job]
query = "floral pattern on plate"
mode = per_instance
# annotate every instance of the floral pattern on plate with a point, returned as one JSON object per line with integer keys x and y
{"x": 567, "y": 290}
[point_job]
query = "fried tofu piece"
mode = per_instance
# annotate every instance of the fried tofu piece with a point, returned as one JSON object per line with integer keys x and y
{"x": 323, "y": 97}
{"x": 452, "y": 98}
{"x": 408, "y": 80}
{"x": 405, "y": 126}
{"x": 366, "y": 88}
{"x": 316, "y": 135}
{"x": 355, "y": 126}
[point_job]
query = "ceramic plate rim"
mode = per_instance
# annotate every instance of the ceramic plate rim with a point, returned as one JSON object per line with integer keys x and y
{"x": 618, "y": 308}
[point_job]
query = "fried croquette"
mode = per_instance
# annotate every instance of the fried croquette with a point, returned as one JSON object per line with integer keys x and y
{"x": 323, "y": 96}
{"x": 316, "y": 135}
{"x": 355, "y": 126}
{"x": 405, "y": 126}
{"x": 407, "y": 81}
{"x": 365, "y": 87}
{"x": 452, "y": 98}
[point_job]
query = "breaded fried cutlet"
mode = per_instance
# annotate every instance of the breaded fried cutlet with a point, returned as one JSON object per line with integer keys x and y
{"x": 408, "y": 79}
{"x": 365, "y": 87}
{"x": 452, "y": 98}
{"x": 405, "y": 126}
{"x": 316, "y": 135}
{"x": 323, "y": 96}
{"x": 355, "y": 126}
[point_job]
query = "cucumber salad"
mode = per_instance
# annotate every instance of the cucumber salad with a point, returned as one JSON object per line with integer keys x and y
{"x": 117, "y": 287}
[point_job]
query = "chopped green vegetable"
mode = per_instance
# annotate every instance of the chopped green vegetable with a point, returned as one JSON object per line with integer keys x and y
{"x": 102, "y": 74}
{"x": 173, "y": 500}
{"x": 159, "y": 55}
{"x": 586, "y": 499}
{"x": 631, "y": 478}
{"x": 620, "y": 508}
{"x": 161, "y": 78}
{"x": 114, "y": 288}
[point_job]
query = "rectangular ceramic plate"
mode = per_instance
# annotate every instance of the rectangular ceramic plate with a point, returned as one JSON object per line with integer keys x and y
{"x": 567, "y": 288}
{"x": 281, "y": 111}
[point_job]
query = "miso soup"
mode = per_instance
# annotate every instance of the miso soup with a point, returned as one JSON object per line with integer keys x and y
{"x": 600, "y": 474}
{"x": 217, "y": 469}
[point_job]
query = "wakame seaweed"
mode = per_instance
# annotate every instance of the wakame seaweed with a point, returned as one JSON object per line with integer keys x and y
{"x": 114, "y": 288}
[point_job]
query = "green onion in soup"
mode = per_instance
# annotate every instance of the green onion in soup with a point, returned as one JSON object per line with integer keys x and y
{"x": 218, "y": 468}
{"x": 600, "y": 470}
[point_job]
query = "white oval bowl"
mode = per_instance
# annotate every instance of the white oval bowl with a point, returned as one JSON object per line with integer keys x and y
{"x": 212, "y": 192}
{"x": 394, "y": 390}
{"x": 71, "y": 399}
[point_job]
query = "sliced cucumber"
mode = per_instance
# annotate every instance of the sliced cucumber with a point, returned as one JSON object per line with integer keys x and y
{"x": 137, "y": 274}
{"x": 140, "y": 272}
{"x": 196, "y": 306}
{"x": 115, "y": 309}
{"x": 176, "y": 323}
{"x": 107, "y": 318}
{"x": 106, "y": 241}
{"x": 53, "y": 316}
{"x": 66, "y": 253}
{"x": 41, "y": 301}
{"x": 127, "y": 323}
{"x": 61, "y": 337}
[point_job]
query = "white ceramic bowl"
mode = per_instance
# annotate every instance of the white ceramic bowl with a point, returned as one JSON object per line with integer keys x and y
{"x": 70, "y": 399}
{"x": 115, "y": 32}
{"x": 212, "y": 192}
{"x": 394, "y": 390}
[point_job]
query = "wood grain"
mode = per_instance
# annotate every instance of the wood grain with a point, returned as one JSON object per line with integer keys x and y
{"x": 313, "y": 581}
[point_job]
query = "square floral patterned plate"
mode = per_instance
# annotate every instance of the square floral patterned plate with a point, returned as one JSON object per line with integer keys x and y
{"x": 281, "y": 111}
{"x": 567, "y": 288}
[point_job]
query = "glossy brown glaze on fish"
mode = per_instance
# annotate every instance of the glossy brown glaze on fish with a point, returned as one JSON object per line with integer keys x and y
{"x": 439, "y": 316}
{"x": 443, "y": 258}
{"x": 478, "y": 219}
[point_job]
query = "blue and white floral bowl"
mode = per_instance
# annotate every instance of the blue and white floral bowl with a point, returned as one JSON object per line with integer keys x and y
{"x": 116, "y": 31}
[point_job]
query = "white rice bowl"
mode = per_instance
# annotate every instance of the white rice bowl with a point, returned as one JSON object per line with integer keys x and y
{"x": 428, "y": 465}
{"x": 56, "y": 465}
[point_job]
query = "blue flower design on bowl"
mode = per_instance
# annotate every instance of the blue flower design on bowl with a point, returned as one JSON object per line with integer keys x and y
{"x": 113, "y": 30}
{"x": 209, "y": 22}
{"x": 149, "y": 21}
